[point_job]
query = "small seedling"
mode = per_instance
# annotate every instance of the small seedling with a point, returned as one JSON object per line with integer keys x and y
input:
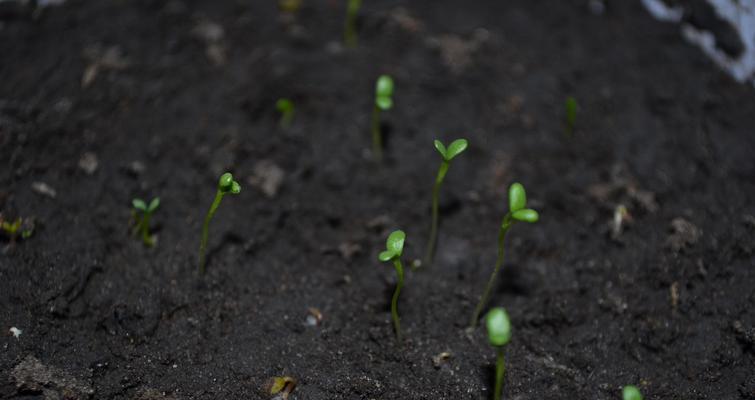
{"x": 630, "y": 392}
{"x": 571, "y": 115}
{"x": 286, "y": 109}
{"x": 226, "y": 185}
{"x": 289, "y": 6}
{"x": 19, "y": 227}
{"x": 350, "y": 31}
{"x": 517, "y": 213}
{"x": 454, "y": 149}
{"x": 383, "y": 102}
{"x": 142, "y": 224}
{"x": 499, "y": 334}
{"x": 394, "y": 246}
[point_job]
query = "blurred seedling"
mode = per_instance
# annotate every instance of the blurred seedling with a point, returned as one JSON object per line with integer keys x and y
{"x": 142, "y": 214}
{"x": 350, "y": 30}
{"x": 383, "y": 102}
{"x": 517, "y": 213}
{"x": 286, "y": 108}
{"x": 289, "y": 6}
{"x": 226, "y": 185}
{"x": 499, "y": 334}
{"x": 394, "y": 247}
{"x": 454, "y": 149}
{"x": 281, "y": 387}
{"x": 18, "y": 228}
{"x": 631, "y": 392}
{"x": 571, "y": 115}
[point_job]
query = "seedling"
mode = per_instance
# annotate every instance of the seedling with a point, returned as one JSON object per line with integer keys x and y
{"x": 517, "y": 213}
{"x": 454, "y": 149}
{"x": 499, "y": 334}
{"x": 394, "y": 246}
{"x": 226, "y": 185}
{"x": 286, "y": 108}
{"x": 571, "y": 115}
{"x": 142, "y": 224}
{"x": 630, "y": 392}
{"x": 289, "y": 6}
{"x": 350, "y": 31}
{"x": 383, "y": 102}
{"x": 19, "y": 227}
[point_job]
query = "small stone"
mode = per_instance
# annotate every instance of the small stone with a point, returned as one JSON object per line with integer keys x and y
{"x": 684, "y": 234}
{"x": 315, "y": 317}
{"x": 209, "y": 31}
{"x": 268, "y": 177}
{"x": 44, "y": 189}
{"x": 441, "y": 358}
{"x": 16, "y": 332}
{"x": 348, "y": 250}
{"x": 89, "y": 163}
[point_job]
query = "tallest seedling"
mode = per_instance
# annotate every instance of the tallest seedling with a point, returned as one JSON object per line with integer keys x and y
{"x": 226, "y": 185}
{"x": 383, "y": 102}
{"x": 517, "y": 213}
{"x": 454, "y": 149}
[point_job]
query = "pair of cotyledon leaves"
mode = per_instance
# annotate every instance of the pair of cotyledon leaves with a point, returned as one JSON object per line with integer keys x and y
{"x": 394, "y": 246}
{"x": 226, "y": 184}
{"x": 384, "y": 92}
{"x": 631, "y": 392}
{"x": 499, "y": 326}
{"x": 517, "y": 204}
{"x": 141, "y": 205}
{"x": 454, "y": 149}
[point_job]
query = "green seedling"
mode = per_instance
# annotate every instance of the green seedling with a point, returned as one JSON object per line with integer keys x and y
{"x": 394, "y": 246}
{"x": 19, "y": 227}
{"x": 517, "y": 213}
{"x": 289, "y": 6}
{"x": 142, "y": 224}
{"x": 571, "y": 115}
{"x": 499, "y": 334}
{"x": 630, "y": 392}
{"x": 350, "y": 31}
{"x": 454, "y": 149}
{"x": 383, "y": 102}
{"x": 226, "y": 185}
{"x": 286, "y": 108}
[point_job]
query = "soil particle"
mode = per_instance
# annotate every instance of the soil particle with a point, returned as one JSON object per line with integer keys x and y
{"x": 32, "y": 376}
{"x": 683, "y": 234}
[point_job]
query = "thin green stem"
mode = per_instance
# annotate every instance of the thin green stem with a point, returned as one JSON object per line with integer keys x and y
{"x": 286, "y": 118}
{"x": 350, "y": 30}
{"x": 205, "y": 229}
{"x": 394, "y": 300}
{"x": 377, "y": 137}
{"x": 432, "y": 241}
{"x": 500, "y": 369}
{"x": 146, "y": 238}
{"x": 505, "y": 225}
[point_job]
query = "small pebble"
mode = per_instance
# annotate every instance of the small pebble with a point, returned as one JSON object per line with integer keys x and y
{"x": 16, "y": 332}
{"x": 44, "y": 189}
{"x": 89, "y": 163}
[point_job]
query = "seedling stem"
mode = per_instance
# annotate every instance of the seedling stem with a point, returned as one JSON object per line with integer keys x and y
{"x": 226, "y": 184}
{"x": 394, "y": 247}
{"x": 499, "y": 334}
{"x": 350, "y": 31}
{"x": 500, "y": 370}
{"x": 383, "y": 102}
{"x": 142, "y": 226}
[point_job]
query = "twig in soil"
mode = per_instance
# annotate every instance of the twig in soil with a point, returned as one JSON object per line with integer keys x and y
{"x": 499, "y": 334}
{"x": 383, "y": 102}
{"x": 571, "y": 115}
{"x": 286, "y": 108}
{"x": 630, "y": 392}
{"x": 454, "y": 149}
{"x": 394, "y": 246}
{"x": 350, "y": 30}
{"x": 226, "y": 185}
{"x": 517, "y": 213}
{"x": 142, "y": 225}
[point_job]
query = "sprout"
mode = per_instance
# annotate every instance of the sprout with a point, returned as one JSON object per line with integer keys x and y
{"x": 226, "y": 185}
{"x": 571, "y": 115}
{"x": 286, "y": 108}
{"x": 499, "y": 334}
{"x": 142, "y": 225}
{"x": 23, "y": 227}
{"x": 350, "y": 31}
{"x": 289, "y": 6}
{"x": 517, "y": 213}
{"x": 383, "y": 102}
{"x": 456, "y": 148}
{"x": 394, "y": 246}
{"x": 630, "y": 392}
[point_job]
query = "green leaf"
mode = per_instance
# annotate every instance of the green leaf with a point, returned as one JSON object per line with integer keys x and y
{"x": 139, "y": 204}
{"x": 517, "y": 197}
{"x": 284, "y": 105}
{"x": 235, "y": 188}
{"x": 526, "y": 215}
{"x": 386, "y": 255}
{"x": 153, "y": 204}
{"x": 225, "y": 182}
{"x": 384, "y": 103}
{"x": 630, "y": 392}
{"x": 384, "y": 86}
{"x": 571, "y": 111}
{"x": 456, "y": 147}
{"x": 395, "y": 242}
{"x": 441, "y": 148}
{"x": 499, "y": 326}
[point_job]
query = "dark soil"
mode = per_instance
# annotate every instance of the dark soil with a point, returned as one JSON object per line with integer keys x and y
{"x": 667, "y": 303}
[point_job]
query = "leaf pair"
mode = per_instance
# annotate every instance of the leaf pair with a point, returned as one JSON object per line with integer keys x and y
{"x": 394, "y": 246}
{"x": 499, "y": 326}
{"x": 384, "y": 92}
{"x": 226, "y": 184}
{"x": 141, "y": 205}
{"x": 454, "y": 149}
{"x": 284, "y": 105}
{"x": 517, "y": 204}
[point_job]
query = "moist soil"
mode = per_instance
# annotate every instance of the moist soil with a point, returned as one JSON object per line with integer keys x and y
{"x": 105, "y": 101}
